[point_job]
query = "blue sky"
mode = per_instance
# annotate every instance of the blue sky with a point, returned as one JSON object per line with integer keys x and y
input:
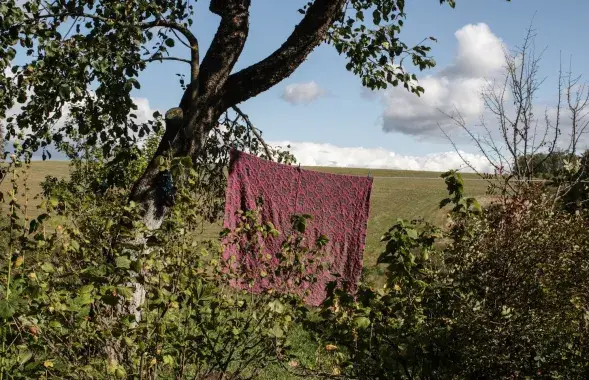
{"x": 342, "y": 115}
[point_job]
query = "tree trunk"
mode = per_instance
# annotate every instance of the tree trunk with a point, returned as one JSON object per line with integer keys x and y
{"x": 213, "y": 89}
{"x": 185, "y": 136}
{"x": 145, "y": 190}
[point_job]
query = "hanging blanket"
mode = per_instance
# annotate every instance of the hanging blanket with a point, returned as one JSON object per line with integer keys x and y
{"x": 338, "y": 205}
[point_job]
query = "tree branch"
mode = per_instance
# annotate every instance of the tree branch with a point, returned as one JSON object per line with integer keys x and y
{"x": 192, "y": 40}
{"x": 308, "y": 34}
{"x": 255, "y": 131}
{"x": 168, "y": 59}
{"x": 226, "y": 46}
{"x": 205, "y": 87}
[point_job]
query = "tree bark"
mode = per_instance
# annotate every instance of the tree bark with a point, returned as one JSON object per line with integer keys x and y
{"x": 201, "y": 106}
{"x": 213, "y": 89}
{"x": 189, "y": 139}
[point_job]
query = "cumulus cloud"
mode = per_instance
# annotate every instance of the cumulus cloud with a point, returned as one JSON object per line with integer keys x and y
{"x": 479, "y": 58}
{"x": 314, "y": 154}
{"x": 144, "y": 111}
{"x": 480, "y": 53}
{"x": 302, "y": 93}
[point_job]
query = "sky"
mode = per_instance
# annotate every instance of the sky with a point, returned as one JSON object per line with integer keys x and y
{"x": 328, "y": 118}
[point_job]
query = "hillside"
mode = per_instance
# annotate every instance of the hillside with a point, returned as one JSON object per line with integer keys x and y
{"x": 396, "y": 194}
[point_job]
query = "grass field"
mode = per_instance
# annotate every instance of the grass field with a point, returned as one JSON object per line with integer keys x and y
{"x": 395, "y": 194}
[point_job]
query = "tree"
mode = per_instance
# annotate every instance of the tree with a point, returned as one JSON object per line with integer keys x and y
{"x": 521, "y": 144}
{"x": 88, "y": 54}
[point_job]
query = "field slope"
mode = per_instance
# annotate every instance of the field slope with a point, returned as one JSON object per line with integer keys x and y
{"x": 396, "y": 194}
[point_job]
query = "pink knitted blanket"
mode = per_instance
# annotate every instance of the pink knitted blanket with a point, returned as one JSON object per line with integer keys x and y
{"x": 339, "y": 206}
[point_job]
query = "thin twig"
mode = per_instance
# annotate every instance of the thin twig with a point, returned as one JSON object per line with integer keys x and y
{"x": 255, "y": 131}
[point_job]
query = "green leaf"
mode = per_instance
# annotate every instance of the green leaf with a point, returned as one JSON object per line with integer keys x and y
{"x": 84, "y": 299}
{"x": 123, "y": 262}
{"x": 75, "y": 245}
{"x": 361, "y": 322}
{"x": 135, "y": 83}
{"x": 33, "y": 226}
{"x": 7, "y": 309}
{"x": 444, "y": 202}
{"x": 411, "y": 233}
{"x": 47, "y": 268}
{"x": 170, "y": 42}
{"x": 55, "y": 324}
{"x": 86, "y": 289}
{"x": 125, "y": 292}
{"x": 474, "y": 205}
{"x": 186, "y": 161}
{"x": 276, "y": 332}
{"x": 276, "y": 306}
{"x": 376, "y": 17}
{"x": 168, "y": 360}
{"x": 24, "y": 357}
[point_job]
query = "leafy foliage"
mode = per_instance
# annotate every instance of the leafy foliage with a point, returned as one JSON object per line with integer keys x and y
{"x": 502, "y": 294}
{"x": 368, "y": 32}
{"x": 286, "y": 272}
{"x": 577, "y": 197}
{"x": 89, "y": 63}
{"x": 68, "y": 289}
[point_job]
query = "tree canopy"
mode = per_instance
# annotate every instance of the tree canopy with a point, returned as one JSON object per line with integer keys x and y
{"x": 88, "y": 55}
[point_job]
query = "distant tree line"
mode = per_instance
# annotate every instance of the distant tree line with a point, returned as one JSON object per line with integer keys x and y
{"x": 553, "y": 164}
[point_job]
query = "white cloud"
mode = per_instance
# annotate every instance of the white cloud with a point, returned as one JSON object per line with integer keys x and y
{"x": 480, "y": 53}
{"x": 314, "y": 154}
{"x": 302, "y": 93}
{"x": 479, "y": 57}
{"x": 144, "y": 111}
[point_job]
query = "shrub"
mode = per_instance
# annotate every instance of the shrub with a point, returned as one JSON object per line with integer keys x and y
{"x": 73, "y": 278}
{"x": 501, "y": 294}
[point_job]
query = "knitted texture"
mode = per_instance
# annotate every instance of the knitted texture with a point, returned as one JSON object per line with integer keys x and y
{"x": 339, "y": 206}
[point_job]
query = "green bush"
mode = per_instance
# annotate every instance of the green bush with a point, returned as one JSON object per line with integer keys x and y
{"x": 501, "y": 294}
{"x": 86, "y": 292}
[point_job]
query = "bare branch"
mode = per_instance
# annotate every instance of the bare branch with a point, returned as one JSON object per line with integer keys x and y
{"x": 522, "y": 140}
{"x": 459, "y": 121}
{"x": 255, "y": 131}
{"x": 159, "y": 59}
{"x": 180, "y": 39}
